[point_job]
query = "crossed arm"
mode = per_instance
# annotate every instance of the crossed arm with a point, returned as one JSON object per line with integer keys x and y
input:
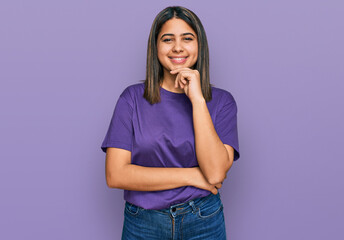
{"x": 120, "y": 173}
{"x": 214, "y": 160}
{"x": 214, "y": 157}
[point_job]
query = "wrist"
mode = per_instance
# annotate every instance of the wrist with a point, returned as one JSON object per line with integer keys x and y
{"x": 190, "y": 176}
{"x": 198, "y": 101}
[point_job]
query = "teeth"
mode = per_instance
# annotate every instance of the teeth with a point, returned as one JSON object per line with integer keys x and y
{"x": 179, "y": 58}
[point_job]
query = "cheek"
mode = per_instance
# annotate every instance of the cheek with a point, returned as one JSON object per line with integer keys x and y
{"x": 196, "y": 53}
{"x": 162, "y": 56}
{"x": 193, "y": 49}
{"x": 162, "y": 52}
{"x": 196, "y": 49}
{"x": 163, "y": 49}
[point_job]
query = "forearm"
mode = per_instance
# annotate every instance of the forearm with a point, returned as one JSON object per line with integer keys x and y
{"x": 139, "y": 178}
{"x": 211, "y": 154}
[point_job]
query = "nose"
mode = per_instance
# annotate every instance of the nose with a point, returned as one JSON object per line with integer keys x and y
{"x": 177, "y": 47}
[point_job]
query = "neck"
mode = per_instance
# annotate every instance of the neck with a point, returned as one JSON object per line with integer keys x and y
{"x": 169, "y": 81}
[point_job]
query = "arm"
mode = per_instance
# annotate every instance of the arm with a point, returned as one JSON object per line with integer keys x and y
{"x": 214, "y": 157}
{"x": 120, "y": 173}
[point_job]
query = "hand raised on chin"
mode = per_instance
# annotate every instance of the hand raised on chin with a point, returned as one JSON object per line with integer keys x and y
{"x": 189, "y": 80}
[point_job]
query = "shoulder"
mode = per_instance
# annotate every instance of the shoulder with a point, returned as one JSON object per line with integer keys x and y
{"x": 131, "y": 91}
{"x": 222, "y": 96}
{"x": 224, "y": 101}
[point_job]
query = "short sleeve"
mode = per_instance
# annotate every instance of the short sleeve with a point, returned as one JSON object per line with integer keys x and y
{"x": 120, "y": 131}
{"x": 226, "y": 123}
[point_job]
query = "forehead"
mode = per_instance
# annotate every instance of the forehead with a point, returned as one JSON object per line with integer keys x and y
{"x": 176, "y": 26}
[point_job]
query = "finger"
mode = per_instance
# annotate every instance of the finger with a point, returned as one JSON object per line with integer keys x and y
{"x": 180, "y": 79}
{"x": 176, "y": 81}
{"x": 214, "y": 191}
{"x": 183, "y": 80}
{"x": 181, "y": 69}
{"x": 181, "y": 84}
{"x": 187, "y": 76}
{"x": 177, "y": 70}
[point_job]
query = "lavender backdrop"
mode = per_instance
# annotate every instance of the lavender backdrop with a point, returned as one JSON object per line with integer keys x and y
{"x": 64, "y": 63}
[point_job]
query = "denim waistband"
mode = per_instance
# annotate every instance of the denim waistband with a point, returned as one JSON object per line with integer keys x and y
{"x": 191, "y": 205}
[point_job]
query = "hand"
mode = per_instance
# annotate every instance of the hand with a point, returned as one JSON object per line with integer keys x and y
{"x": 198, "y": 180}
{"x": 189, "y": 80}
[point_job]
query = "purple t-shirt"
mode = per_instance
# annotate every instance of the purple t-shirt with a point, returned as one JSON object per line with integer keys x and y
{"x": 162, "y": 135}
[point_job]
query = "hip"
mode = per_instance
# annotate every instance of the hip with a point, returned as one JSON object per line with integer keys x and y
{"x": 199, "y": 218}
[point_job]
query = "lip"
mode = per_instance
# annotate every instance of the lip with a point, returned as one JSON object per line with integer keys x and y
{"x": 178, "y": 59}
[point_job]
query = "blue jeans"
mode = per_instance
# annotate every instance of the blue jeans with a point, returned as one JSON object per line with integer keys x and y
{"x": 200, "y": 218}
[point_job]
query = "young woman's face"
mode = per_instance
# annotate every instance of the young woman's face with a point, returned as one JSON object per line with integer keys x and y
{"x": 177, "y": 45}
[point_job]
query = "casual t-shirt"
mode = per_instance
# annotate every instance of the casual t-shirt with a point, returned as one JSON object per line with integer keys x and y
{"x": 162, "y": 135}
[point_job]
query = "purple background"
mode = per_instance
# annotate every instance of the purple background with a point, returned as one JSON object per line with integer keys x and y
{"x": 64, "y": 63}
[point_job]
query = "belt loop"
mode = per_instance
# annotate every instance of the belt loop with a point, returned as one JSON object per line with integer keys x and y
{"x": 194, "y": 209}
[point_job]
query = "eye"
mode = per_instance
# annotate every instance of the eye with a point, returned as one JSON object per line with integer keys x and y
{"x": 188, "y": 39}
{"x": 167, "y": 40}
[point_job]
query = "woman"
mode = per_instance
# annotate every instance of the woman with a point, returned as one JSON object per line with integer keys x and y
{"x": 173, "y": 138}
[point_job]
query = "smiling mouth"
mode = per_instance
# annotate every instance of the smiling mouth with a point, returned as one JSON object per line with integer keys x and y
{"x": 178, "y": 59}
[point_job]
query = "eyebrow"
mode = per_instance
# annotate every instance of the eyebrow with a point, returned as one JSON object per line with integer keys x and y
{"x": 170, "y": 34}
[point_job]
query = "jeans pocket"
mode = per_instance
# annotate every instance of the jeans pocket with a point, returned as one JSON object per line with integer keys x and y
{"x": 208, "y": 210}
{"x": 132, "y": 209}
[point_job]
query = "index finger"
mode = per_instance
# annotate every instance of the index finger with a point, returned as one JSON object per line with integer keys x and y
{"x": 179, "y": 69}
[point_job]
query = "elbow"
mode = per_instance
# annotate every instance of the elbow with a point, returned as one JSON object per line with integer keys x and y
{"x": 220, "y": 175}
{"x": 111, "y": 181}
{"x": 215, "y": 179}
{"x": 215, "y": 176}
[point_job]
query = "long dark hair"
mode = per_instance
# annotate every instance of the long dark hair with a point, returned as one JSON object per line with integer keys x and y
{"x": 154, "y": 70}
